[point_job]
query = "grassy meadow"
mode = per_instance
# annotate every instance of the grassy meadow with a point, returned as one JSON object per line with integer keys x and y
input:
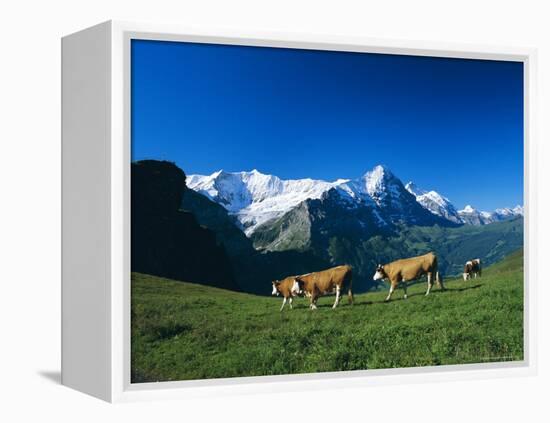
{"x": 183, "y": 331}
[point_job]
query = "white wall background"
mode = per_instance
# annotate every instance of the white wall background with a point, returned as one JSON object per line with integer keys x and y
{"x": 30, "y": 206}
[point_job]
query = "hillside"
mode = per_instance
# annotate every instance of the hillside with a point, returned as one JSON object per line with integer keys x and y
{"x": 200, "y": 236}
{"x": 453, "y": 246}
{"x": 340, "y": 242}
{"x": 188, "y": 331}
{"x": 167, "y": 241}
{"x": 321, "y": 233}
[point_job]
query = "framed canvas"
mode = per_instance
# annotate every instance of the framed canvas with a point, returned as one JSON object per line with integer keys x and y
{"x": 258, "y": 212}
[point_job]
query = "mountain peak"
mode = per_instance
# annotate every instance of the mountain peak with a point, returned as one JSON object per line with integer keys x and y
{"x": 379, "y": 179}
{"x": 468, "y": 209}
{"x": 379, "y": 170}
{"x": 380, "y": 167}
{"x": 434, "y": 202}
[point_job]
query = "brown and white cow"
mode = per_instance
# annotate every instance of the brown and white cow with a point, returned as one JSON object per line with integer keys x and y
{"x": 284, "y": 288}
{"x": 409, "y": 269}
{"x": 472, "y": 269}
{"x": 334, "y": 280}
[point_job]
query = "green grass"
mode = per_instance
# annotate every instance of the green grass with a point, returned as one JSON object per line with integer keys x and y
{"x": 186, "y": 331}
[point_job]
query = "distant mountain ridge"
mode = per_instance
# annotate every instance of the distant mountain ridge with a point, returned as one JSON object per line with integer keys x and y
{"x": 255, "y": 198}
{"x": 435, "y": 202}
{"x": 472, "y": 216}
{"x": 182, "y": 234}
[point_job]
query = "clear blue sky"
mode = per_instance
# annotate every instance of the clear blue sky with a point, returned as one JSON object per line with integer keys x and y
{"x": 452, "y": 125}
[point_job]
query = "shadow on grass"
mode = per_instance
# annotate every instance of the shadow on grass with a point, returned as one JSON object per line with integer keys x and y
{"x": 466, "y": 288}
{"x": 366, "y": 303}
{"x": 422, "y": 294}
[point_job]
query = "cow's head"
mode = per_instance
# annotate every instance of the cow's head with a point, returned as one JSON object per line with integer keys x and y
{"x": 297, "y": 287}
{"x": 275, "y": 285}
{"x": 380, "y": 273}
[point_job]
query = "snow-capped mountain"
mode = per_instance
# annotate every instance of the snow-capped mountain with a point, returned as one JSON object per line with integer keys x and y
{"x": 507, "y": 213}
{"x": 441, "y": 206}
{"x": 375, "y": 204}
{"x": 255, "y": 198}
{"x": 434, "y": 202}
{"x": 472, "y": 216}
{"x": 391, "y": 196}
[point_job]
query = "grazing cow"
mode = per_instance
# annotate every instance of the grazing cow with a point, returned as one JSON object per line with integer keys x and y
{"x": 333, "y": 280}
{"x": 284, "y": 288}
{"x": 472, "y": 269}
{"x": 409, "y": 269}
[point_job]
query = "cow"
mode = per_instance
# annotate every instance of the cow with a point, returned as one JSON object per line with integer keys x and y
{"x": 409, "y": 269}
{"x": 334, "y": 280}
{"x": 284, "y": 288}
{"x": 472, "y": 268}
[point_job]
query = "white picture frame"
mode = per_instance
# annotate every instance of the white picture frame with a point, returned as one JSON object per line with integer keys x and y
{"x": 96, "y": 226}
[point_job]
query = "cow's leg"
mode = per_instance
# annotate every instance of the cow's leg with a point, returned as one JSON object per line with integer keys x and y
{"x": 430, "y": 282}
{"x": 290, "y": 302}
{"x": 404, "y": 289}
{"x": 337, "y": 296}
{"x": 392, "y": 288}
{"x": 313, "y": 304}
{"x": 284, "y": 302}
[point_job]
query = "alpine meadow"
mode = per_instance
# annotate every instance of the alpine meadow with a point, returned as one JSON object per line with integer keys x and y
{"x": 187, "y": 331}
{"x": 302, "y": 211}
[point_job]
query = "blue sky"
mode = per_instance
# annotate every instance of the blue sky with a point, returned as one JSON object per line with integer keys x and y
{"x": 452, "y": 125}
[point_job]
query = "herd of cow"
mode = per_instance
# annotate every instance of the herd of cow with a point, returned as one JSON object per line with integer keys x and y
{"x": 337, "y": 280}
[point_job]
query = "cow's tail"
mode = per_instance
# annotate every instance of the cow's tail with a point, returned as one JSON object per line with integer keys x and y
{"x": 439, "y": 279}
{"x": 437, "y": 275}
{"x": 348, "y": 283}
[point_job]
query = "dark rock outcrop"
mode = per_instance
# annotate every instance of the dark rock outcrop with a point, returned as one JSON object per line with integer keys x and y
{"x": 167, "y": 241}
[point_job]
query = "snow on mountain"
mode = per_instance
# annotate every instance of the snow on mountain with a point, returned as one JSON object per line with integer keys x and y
{"x": 441, "y": 206}
{"x": 381, "y": 184}
{"x": 414, "y": 189}
{"x": 518, "y": 210}
{"x": 255, "y": 198}
{"x": 434, "y": 202}
{"x": 471, "y": 216}
{"x": 391, "y": 197}
{"x": 508, "y": 212}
